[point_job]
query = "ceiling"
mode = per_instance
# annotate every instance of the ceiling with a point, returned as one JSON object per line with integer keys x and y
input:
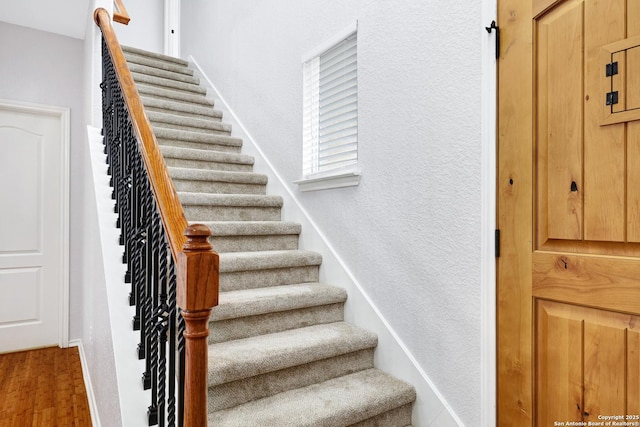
{"x": 65, "y": 17}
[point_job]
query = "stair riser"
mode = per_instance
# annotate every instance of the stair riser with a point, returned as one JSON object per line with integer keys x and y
{"x": 156, "y": 72}
{"x": 170, "y": 122}
{"x": 219, "y": 187}
{"x": 174, "y": 95}
{"x": 244, "y": 327}
{"x": 200, "y": 145}
{"x": 396, "y": 417}
{"x": 254, "y": 243}
{"x": 181, "y": 109}
{"x": 205, "y": 165}
{"x": 163, "y": 83}
{"x": 159, "y": 64}
{"x": 232, "y": 281}
{"x": 217, "y": 130}
{"x": 185, "y": 137}
{"x": 260, "y": 386}
{"x": 130, "y": 50}
{"x": 231, "y": 213}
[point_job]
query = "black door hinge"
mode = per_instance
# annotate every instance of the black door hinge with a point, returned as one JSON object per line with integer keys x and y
{"x": 489, "y": 29}
{"x": 497, "y": 243}
{"x": 612, "y": 98}
{"x": 611, "y": 69}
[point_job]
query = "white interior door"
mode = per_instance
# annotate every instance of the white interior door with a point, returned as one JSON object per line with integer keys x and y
{"x": 33, "y": 226}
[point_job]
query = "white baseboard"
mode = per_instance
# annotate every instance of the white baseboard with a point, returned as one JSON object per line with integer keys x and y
{"x": 93, "y": 406}
{"x": 392, "y": 356}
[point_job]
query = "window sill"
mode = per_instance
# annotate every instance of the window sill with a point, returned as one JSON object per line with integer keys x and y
{"x": 347, "y": 179}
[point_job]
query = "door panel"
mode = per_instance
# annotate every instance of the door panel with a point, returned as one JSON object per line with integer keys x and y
{"x": 584, "y": 349}
{"x": 559, "y": 115}
{"x": 604, "y": 146}
{"x": 20, "y": 307}
{"x": 568, "y": 306}
{"x": 559, "y": 335}
{"x": 20, "y": 229}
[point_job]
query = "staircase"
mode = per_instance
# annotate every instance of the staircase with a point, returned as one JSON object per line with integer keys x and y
{"x": 280, "y": 353}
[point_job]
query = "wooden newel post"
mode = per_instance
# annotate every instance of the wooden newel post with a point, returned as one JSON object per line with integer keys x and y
{"x": 198, "y": 281}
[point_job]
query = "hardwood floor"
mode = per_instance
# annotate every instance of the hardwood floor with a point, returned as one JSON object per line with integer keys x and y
{"x": 43, "y": 387}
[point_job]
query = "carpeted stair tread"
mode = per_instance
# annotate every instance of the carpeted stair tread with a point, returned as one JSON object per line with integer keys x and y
{"x": 163, "y": 83}
{"x": 249, "y": 228}
{"x": 154, "y": 55}
{"x": 252, "y": 302}
{"x": 154, "y": 62}
{"x": 267, "y": 260}
{"x": 199, "y": 138}
{"x": 175, "y": 95}
{"x": 338, "y": 402}
{"x": 193, "y": 124}
{"x": 205, "y": 155}
{"x": 219, "y": 176}
{"x": 177, "y": 107}
{"x": 157, "y": 72}
{"x": 218, "y": 182}
{"x": 238, "y": 200}
{"x": 230, "y": 207}
{"x": 249, "y": 236}
{"x": 238, "y": 359}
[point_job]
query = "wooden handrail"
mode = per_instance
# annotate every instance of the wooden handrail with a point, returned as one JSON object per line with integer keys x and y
{"x": 166, "y": 196}
{"x": 120, "y": 13}
{"x": 196, "y": 263}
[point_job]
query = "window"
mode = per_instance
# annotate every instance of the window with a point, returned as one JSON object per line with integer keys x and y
{"x": 330, "y": 115}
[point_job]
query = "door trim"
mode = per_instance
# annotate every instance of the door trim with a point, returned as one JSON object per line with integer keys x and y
{"x": 172, "y": 22}
{"x": 63, "y": 114}
{"x": 488, "y": 279}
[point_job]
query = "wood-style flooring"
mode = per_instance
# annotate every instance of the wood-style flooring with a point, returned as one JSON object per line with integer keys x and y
{"x": 43, "y": 387}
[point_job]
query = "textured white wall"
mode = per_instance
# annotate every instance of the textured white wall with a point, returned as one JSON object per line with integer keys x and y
{"x": 146, "y": 28}
{"x": 410, "y": 232}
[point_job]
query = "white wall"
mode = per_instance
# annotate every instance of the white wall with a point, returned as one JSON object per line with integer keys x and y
{"x": 410, "y": 232}
{"x": 146, "y": 28}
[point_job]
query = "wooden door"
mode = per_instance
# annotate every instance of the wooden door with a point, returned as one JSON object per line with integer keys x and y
{"x": 568, "y": 297}
{"x": 33, "y": 272}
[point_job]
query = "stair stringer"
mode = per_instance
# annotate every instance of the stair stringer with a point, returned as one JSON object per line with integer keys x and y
{"x": 123, "y": 378}
{"x": 391, "y": 355}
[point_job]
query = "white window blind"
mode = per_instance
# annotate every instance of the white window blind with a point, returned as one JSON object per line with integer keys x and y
{"x": 330, "y": 116}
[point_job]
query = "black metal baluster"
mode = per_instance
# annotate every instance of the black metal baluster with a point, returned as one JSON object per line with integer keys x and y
{"x": 151, "y": 308}
{"x": 159, "y": 302}
{"x": 144, "y": 296}
{"x": 160, "y": 256}
{"x": 138, "y": 271}
{"x": 172, "y": 337}
{"x": 181, "y": 356}
{"x": 128, "y": 197}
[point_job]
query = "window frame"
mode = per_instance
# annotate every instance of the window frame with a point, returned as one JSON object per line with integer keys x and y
{"x": 344, "y": 176}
